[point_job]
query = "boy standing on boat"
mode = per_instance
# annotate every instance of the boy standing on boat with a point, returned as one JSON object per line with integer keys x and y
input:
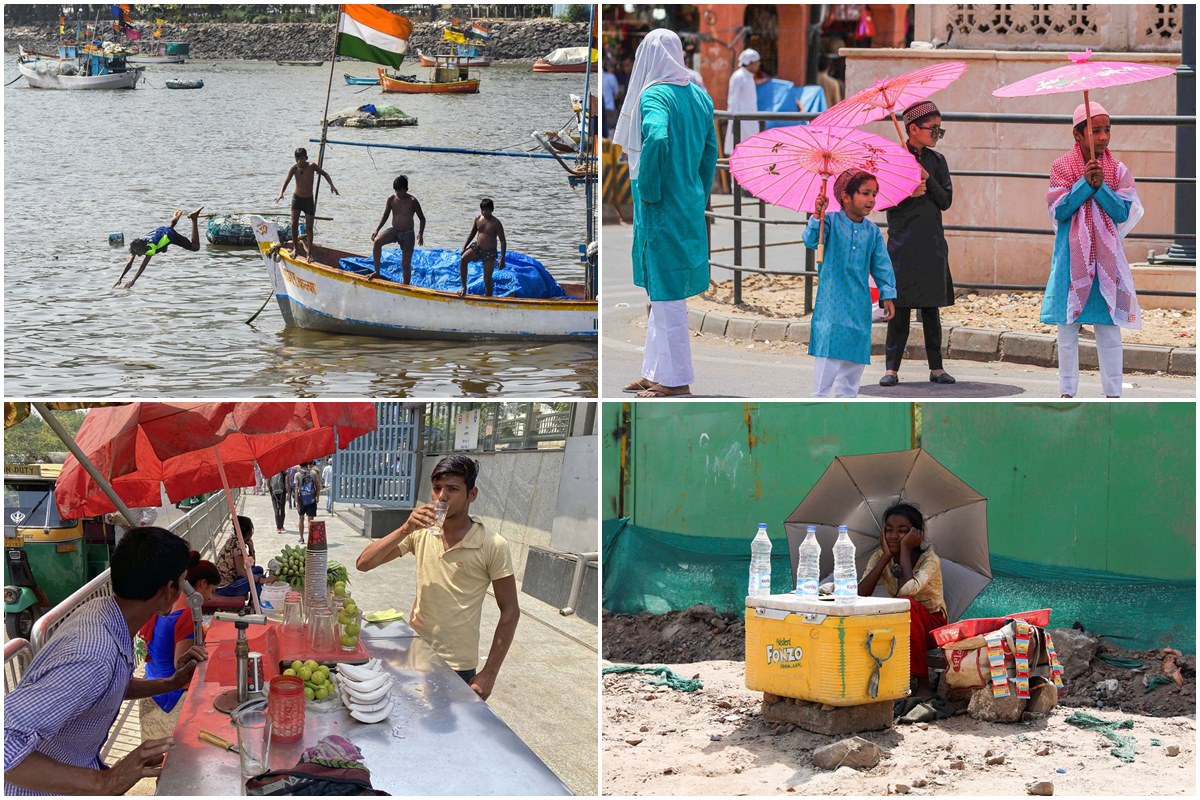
{"x": 485, "y": 231}
{"x": 302, "y": 198}
{"x": 159, "y": 240}
{"x": 403, "y": 207}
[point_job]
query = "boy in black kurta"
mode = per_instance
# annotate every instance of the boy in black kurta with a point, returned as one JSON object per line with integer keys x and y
{"x": 917, "y": 246}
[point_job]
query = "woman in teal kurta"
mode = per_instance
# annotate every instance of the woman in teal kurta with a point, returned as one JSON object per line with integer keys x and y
{"x": 666, "y": 131}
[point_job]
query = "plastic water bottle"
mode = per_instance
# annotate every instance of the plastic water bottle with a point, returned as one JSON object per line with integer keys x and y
{"x": 845, "y": 576}
{"x": 760, "y": 563}
{"x": 808, "y": 573}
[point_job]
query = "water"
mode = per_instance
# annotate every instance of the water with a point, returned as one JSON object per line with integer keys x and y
{"x": 808, "y": 569}
{"x": 81, "y": 165}
{"x": 845, "y": 576}
{"x": 760, "y": 563}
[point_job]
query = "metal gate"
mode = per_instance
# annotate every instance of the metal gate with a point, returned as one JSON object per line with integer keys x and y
{"x": 381, "y": 468}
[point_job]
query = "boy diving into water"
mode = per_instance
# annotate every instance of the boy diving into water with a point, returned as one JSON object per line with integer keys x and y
{"x": 159, "y": 240}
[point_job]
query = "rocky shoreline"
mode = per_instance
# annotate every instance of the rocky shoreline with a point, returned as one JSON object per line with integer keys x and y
{"x": 512, "y": 40}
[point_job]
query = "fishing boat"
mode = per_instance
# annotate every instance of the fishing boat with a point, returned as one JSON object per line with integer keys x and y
{"x": 449, "y": 76}
{"x": 182, "y": 84}
{"x": 159, "y": 54}
{"x": 299, "y": 63}
{"x": 471, "y": 58}
{"x": 565, "y": 59}
{"x": 354, "y": 80}
{"x": 93, "y": 69}
{"x": 316, "y": 294}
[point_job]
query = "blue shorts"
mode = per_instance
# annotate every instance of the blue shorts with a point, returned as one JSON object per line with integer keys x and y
{"x": 309, "y": 509}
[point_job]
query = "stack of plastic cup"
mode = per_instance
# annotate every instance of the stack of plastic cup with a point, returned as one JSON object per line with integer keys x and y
{"x": 316, "y": 566}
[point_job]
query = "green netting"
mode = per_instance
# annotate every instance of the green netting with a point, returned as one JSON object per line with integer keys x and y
{"x": 666, "y": 677}
{"x": 658, "y": 571}
{"x": 1125, "y": 745}
{"x": 236, "y": 231}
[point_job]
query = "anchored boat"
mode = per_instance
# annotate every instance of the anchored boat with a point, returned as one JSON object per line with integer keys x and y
{"x": 450, "y": 76}
{"x": 314, "y": 293}
{"x": 565, "y": 59}
{"x": 354, "y": 80}
{"x": 182, "y": 84}
{"x": 93, "y": 69}
{"x": 162, "y": 53}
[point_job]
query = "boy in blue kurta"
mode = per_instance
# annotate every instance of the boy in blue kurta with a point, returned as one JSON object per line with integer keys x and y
{"x": 1093, "y": 204}
{"x": 666, "y": 131}
{"x": 841, "y": 323}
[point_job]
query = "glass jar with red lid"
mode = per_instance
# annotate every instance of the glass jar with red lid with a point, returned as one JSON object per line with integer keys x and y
{"x": 285, "y": 701}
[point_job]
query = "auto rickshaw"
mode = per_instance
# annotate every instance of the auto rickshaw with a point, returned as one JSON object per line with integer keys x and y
{"x": 46, "y": 558}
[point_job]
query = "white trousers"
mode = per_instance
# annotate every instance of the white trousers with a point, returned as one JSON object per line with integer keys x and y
{"x": 843, "y": 377}
{"x": 1108, "y": 352}
{"x": 667, "y": 359}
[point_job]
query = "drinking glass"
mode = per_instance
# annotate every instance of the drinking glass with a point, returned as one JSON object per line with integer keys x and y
{"x": 293, "y": 616}
{"x": 440, "y": 508}
{"x": 285, "y": 701}
{"x": 322, "y": 632}
{"x": 253, "y": 723}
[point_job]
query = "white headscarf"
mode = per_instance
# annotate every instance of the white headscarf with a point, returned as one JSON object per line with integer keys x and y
{"x": 659, "y": 59}
{"x": 748, "y": 56}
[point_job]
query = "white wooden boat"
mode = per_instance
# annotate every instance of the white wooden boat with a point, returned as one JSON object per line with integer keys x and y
{"x": 316, "y": 294}
{"x": 155, "y": 58}
{"x": 39, "y": 75}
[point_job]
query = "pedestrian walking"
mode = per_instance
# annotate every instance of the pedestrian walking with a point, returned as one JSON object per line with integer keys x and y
{"x": 327, "y": 482}
{"x": 279, "y": 498}
{"x": 1093, "y": 205}
{"x": 916, "y": 244}
{"x": 666, "y": 130}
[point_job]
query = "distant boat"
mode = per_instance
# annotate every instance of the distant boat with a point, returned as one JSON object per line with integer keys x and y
{"x": 355, "y": 80}
{"x": 160, "y": 54}
{"x": 93, "y": 70}
{"x": 470, "y": 59}
{"x": 446, "y": 80}
{"x": 565, "y": 59}
{"x": 299, "y": 63}
{"x": 181, "y": 84}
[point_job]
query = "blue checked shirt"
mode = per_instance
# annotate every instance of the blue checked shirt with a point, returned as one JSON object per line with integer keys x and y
{"x": 68, "y": 700}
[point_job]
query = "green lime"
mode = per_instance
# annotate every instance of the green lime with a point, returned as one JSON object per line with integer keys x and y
{"x": 352, "y": 629}
{"x": 289, "y": 672}
{"x": 339, "y": 589}
{"x": 311, "y": 664}
{"x": 348, "y": 640}
{"x": 296, "y": 665}
{"x": 309, "y": 694}
{"x": 321, "y": 693}
{"x": 305, "y": 674}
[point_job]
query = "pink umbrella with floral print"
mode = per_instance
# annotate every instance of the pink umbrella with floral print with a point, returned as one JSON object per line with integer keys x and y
{"x": 789, "y": 167}
{"x": 1082, "y": 75}
{"x": 889, "y": 95}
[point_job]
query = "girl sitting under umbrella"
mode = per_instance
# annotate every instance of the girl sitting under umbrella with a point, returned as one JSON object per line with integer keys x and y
{"x": 914, "y": 572}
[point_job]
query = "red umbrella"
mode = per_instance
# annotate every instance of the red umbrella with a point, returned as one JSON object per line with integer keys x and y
{"x": 192, "y": 448}
{"x": 889, "y": 95}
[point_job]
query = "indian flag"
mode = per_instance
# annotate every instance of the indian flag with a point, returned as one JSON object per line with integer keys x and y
{"x": 372, "y": 34}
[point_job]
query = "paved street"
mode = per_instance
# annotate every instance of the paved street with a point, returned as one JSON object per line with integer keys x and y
{"x": 731, "y": 368}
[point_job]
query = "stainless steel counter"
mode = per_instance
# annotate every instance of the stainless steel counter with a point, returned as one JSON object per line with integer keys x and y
{"x": 441, "y": 739}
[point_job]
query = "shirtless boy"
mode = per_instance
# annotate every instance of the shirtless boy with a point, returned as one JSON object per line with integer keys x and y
{"x": 302, "y": 198}
{"x": 486, "y": 230}
{"x": 403, "y": 207}
{"x": 159, "y": 240}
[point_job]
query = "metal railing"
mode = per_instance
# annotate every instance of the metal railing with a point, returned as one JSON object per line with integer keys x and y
{"x": 809, "y": 272}
{"x": 17, "y": 655}
{"x": 198, "y": 526}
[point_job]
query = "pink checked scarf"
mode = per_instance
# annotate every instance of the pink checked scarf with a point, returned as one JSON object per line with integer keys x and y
{"x": 1095, "y": 242}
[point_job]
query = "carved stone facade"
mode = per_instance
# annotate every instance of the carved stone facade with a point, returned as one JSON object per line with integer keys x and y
{"x": 1053, "y": 26}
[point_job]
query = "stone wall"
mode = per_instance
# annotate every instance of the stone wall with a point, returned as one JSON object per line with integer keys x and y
{"x": 524, "y": 40}
{"x": 1020, "y": 203}
{"x": 1146, "y": 27}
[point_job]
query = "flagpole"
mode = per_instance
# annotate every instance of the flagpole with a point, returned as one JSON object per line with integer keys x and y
{"x": 325, "y": 119}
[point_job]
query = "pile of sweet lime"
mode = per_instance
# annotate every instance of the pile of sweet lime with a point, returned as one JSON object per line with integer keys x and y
{"x": 317, "y": 685}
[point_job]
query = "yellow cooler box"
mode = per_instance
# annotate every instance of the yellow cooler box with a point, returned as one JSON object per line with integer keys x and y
{"x": 821, "y": 650}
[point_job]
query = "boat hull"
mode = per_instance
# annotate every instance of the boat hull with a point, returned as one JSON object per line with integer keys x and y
{"x": 114, "y": 80}
{"x": 354, "y": 80}
{"x": 156, "y": 59}
{"x": 542, "y": 65}
{"x": 398, "y": 86}
{"x": 468, "y": 61}
{"x": 318, "y": 297}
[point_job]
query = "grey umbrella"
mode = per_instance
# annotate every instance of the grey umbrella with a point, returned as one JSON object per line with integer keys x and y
{"x": 856, "y": 490}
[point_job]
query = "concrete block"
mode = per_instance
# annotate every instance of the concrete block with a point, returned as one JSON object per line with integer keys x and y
{"x": 1029, "y": 348}
{"x": 740, "y": 327}
{"x": 976, "y": 344}
{"x": 770, "y": 330}
{"x": 548, "y": 576}
{"x": 798, "y": 331}
{"x": 695, "y": 319}
{"x": 829, "y": 720}
{"x": 714, "y": 324}
{"x": 379, "y": 522}
{"x": 878, "y": 334}
{"x": 1183, "y": 361}
{"x": 1146, "y": 357}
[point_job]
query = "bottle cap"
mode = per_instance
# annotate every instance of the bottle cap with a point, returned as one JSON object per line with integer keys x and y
{"x": 842, "y": 528}
{"x": 762, "y": 524}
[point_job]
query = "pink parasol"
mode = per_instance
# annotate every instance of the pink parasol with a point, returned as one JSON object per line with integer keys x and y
{"x": 789, "y": 167}
{"x": 891, "y": 94}
{"x": 1082, "y": 75}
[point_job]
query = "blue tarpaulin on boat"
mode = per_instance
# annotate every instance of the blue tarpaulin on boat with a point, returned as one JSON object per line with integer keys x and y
{"x": 434, "y": 268}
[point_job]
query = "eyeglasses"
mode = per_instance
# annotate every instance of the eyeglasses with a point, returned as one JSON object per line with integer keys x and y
{"x": 937, "y": 131}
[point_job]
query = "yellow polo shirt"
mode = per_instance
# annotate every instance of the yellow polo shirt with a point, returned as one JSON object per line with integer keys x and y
{"x": 451, "y": 587}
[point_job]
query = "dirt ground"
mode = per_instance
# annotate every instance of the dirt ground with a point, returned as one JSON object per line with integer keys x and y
{"x": 780, "y": 296}
{"x": 659, "y": 741}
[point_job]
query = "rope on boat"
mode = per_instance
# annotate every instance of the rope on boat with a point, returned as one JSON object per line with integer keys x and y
{"x": 428, "y": 149}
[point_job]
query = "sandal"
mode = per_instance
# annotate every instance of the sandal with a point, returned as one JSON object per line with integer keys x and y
{"x": 660, "y": 391}
{"x": 641, "y": 384}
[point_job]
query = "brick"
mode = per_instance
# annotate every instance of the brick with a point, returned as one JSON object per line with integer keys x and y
{"x": 798, "y": 331}
{"x": 1029, "y": 348}
{"x": 714, "y": 324}
{"x": 1146, "y": 357}
{"x": 819, "y": 718}
{"x": 976, "y": 344}
{"x": 770, "y": 330}
{"x": 695, "y": 319}
{"x": 740, "y": 327}
{"x": 1183, "y": 361}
